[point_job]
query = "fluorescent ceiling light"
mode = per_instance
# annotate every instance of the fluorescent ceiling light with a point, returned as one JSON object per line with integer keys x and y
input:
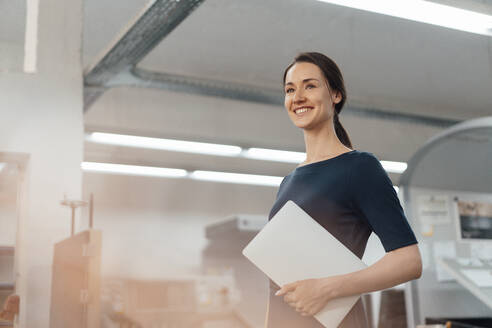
{"x": 394, "y": 167}
{"x": 133, "y": 170}
{"x": 274, "y": 155}
{"x": 240, "y": 178}
{"x": 164, "y": 144}
{"x": 425, "y": 12}
{"x": 31, "y": 36}
{"x": 214, "y": 176}
{"x": 214, "y": 149}
{"x": 298, "y": 157}
{"x": 264, "y": 180}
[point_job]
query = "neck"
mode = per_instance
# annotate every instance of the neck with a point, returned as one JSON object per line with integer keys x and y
{"x": 322, "y": 143}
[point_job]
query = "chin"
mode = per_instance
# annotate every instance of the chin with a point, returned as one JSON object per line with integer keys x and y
{"x": 303, "y": 125}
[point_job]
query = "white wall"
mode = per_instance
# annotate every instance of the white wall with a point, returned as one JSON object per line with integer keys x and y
{"x": 41, "y": 115}
{"x": 149, "y": 244}
{"x": 154, "y": 227}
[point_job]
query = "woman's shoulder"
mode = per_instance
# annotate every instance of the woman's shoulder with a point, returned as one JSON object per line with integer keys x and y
{"x": 360, "y": 157}
{"x": 364, "y": 163}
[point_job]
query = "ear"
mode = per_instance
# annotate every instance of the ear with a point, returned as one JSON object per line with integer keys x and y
{"x": 336, "y": 98}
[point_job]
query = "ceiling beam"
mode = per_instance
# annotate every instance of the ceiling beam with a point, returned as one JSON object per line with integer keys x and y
{"x": 117, "y": 67}
{"x": 141, "y": 78}
{"x": 143, "y": 33}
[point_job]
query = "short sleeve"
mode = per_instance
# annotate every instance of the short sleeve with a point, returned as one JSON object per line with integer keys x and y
{"x": 377, "y": 201}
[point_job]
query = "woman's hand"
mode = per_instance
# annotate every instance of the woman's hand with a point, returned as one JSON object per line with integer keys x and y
{"x": 398, "y": 266}
{"x": 309, "y": 296}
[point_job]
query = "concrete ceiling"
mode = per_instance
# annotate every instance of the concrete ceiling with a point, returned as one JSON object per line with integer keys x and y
{"x": 388, "y": 63}
{"x": 12, "y": 24}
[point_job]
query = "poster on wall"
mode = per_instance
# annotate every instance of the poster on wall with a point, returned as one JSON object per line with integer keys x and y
{"x": 433, "y": 210}
{"x": 475, "y": 220}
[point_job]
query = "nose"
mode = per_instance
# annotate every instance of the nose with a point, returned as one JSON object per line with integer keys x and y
{"x": 299, "y": 96}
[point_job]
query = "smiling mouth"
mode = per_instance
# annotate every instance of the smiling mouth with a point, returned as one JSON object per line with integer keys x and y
{"x": 302, "y": 110}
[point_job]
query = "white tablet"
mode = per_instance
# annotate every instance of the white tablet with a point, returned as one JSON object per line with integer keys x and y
{"x": 293, "y": 246}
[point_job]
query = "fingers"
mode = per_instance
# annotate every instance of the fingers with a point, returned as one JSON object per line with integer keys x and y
{"x": 297, "y": 301}
{"x": 305, "y": 312}
{"x": 302, "y": 310}
{"x": 289, "y": 298}
{"x": 311, "y": 311}
{"x": 286, "y": 288}
{"x": 294, "y": 303}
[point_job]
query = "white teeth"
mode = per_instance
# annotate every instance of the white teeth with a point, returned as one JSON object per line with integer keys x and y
{"x": 302, "y": 110}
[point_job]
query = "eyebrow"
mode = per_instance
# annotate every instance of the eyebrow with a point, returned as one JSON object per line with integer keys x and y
{"x": 304, "y": 81}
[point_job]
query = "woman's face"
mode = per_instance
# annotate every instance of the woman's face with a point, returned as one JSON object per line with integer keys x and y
{"x": 308, "y": 99}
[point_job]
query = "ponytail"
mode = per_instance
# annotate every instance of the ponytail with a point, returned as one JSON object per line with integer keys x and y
{"x": 340, "y": 131}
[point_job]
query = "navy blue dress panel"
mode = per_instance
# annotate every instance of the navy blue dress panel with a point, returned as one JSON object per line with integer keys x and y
{"x": 377, "y": 202}
{"x": 281, "y": 315}
{"x": 351, "y": 196}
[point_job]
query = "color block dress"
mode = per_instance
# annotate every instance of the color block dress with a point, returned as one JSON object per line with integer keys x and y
{"x": 351, "y": 196}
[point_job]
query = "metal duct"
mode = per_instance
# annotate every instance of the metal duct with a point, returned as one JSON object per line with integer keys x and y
{"x": 402, "y": 117}
{"x": 146, "y": 79}
{"x": 156, "y": 21}
{"x": 117, "y": 68}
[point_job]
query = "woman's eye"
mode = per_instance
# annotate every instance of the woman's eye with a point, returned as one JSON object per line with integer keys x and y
{"x": 289, "y": 90}
{"x": 310, "y": 86}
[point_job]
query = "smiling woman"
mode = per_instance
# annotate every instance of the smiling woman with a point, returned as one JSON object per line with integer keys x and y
{"x": 314, "y": 82}
{"x": 347, "y": 192}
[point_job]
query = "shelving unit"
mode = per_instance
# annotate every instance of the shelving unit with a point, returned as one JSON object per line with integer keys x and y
{"x": 75, "y": 287}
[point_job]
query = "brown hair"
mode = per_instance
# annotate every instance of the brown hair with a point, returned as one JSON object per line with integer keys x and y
{"x": 335, "y": 80}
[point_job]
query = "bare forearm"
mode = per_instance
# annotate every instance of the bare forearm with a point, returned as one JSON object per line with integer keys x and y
{"x": 396, "y": 267}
